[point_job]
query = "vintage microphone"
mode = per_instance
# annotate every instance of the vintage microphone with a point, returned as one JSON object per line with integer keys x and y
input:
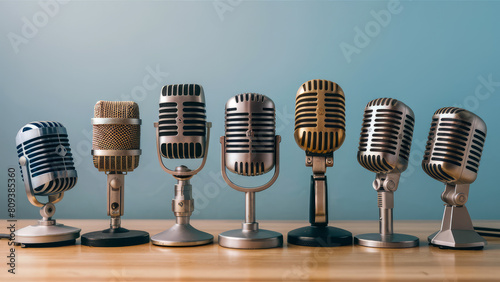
{"x": 47, "y": 169}
{"x": 116, "y": 137}
{"x": 452, "y": 156}
{"x": 182, "y": 133}
{"x": 250, "y": 147}
{"x": 384, "y": 148}
{"x": 319, "y": 130}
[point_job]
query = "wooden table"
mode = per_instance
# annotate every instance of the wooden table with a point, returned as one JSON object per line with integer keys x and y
{"x": 214, "y": 263}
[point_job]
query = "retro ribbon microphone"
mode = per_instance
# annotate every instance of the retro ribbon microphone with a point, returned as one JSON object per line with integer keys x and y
{"x": 47, "y": 169}
{"x": 384, "y": 148}
{"x": 250, "y": 148}
{"x": 452, "y": 156}
{"x": 182, "y": 133}
{"x": 319, "y": 130}
{"x": 116, "y": 150}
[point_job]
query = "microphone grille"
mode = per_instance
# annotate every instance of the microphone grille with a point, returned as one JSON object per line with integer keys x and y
{"x": 320, "y": 116}
{"x": 45, "y": 145}
{"x": 182, "y": 121}
{"x": 454, "y": 146}
{"x": 116, "y": 136}
{"x": 386, "y": 135}
{"x": 250, "y": 134}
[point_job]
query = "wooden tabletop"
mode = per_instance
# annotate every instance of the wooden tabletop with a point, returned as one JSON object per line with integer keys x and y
{"x": 214, "y": 263}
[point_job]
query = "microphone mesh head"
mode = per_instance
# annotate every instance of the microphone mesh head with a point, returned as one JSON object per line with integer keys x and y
{"x": 250, "y": 134}
{"x": 182, "y": 121}
{"x": 386, "y": 135}
{"x": 45, "y": 145}
{"x": 319, "y": 116}
{"x": 454, "y": 146}
{"x": 116, "y": 136}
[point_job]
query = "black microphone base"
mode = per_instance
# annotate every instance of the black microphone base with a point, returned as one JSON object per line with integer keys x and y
{"x": 320, "y": 236}
{"x": 118, "y": 237}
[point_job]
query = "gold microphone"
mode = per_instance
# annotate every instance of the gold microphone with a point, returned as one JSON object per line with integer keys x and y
{"x": 319, "y": 130}
{"x": 319, "y": 117}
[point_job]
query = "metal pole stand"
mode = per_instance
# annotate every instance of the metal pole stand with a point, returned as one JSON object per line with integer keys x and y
{"x": 319, "y": 234}
{"x": 115, "y": 235}
{"x": 182, "y": 233}
{"x": 456, "y": 231}
{"x": 250, "y": 236}
{"x": 386, "y": 185}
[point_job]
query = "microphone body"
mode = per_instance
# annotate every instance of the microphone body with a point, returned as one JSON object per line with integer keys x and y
{"x": 182, "y": 121}
{"x": 453, "y": 152}
{"x": 47, "y": 169}
{"x": 250, "y": 147}
{"x": 45, "y": 145}
{"x": 182, "y": 132}
{"x": 384, "y": 148}
{"x": 319, "y": 131}
{"x": 116, "y": 140}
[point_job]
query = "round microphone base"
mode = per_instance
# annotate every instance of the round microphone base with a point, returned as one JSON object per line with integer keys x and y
{"x": 258, "y": 239}
{"x": 457, "y": 239}
{"x": 46, "y": 235}
{"x": 320, "y": 236}
{"x": 182, "y": 235}
{"x": 119, "y": 237}
{"x": 376, "y": 240}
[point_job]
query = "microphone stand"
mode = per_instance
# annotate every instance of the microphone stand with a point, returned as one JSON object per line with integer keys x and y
{"x": 250, "y": 236}
{"x": 182, "y": 233}
{"x": 386, "y": 184}
{"x": 319, "y": 234}
{"x": 47, "y": 232}
{"x": 456, "y": 230}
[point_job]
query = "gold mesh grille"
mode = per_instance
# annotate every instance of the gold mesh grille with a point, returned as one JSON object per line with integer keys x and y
{"x": 116, "y": 136}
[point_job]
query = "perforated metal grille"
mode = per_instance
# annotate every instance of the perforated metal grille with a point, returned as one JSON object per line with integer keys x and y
{"x": 116, "y": 136}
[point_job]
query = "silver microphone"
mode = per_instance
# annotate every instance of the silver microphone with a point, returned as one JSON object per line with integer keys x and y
{"x": 116, "y": 135}
{"x": 250, "y": 147}
{"x": 384, "y": 148}
{"x": 182, "y": 121}
{"x": 47, "y": 169}
{"x": 452, "y": 156}
{"x": 320, "y": 121}
{"x": 182, "y": 132}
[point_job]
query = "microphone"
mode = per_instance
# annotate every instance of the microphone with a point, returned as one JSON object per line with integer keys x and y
{"x": 452, "y": 155}
{"x": 47, "y": 169}
{"x": 116, "y": 135}
{"x": 250, "y": 147}
{"x": 319, "y": 130}
{"x": 182, "y": 132}
{"x": 384, "y": 148}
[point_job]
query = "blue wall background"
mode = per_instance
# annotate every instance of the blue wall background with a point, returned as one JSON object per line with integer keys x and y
{"x": 429, "y": 55}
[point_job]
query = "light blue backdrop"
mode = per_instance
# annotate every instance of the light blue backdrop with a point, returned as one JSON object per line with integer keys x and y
{"x": 57, "y": 60}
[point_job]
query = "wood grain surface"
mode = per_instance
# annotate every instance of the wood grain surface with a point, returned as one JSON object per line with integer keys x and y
{"x": 214, "y": 263}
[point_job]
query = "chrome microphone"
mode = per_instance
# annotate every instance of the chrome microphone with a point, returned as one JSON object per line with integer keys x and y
{"x": 319, "y": 130}
{"x": 116, "y": 135}
{"x": 47, "y": 169}
{"x": 384, "y": 148}
{"x": 250, "y": 147}
{"x": 452, "y": 155}
{"x": 182, "y": 132}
